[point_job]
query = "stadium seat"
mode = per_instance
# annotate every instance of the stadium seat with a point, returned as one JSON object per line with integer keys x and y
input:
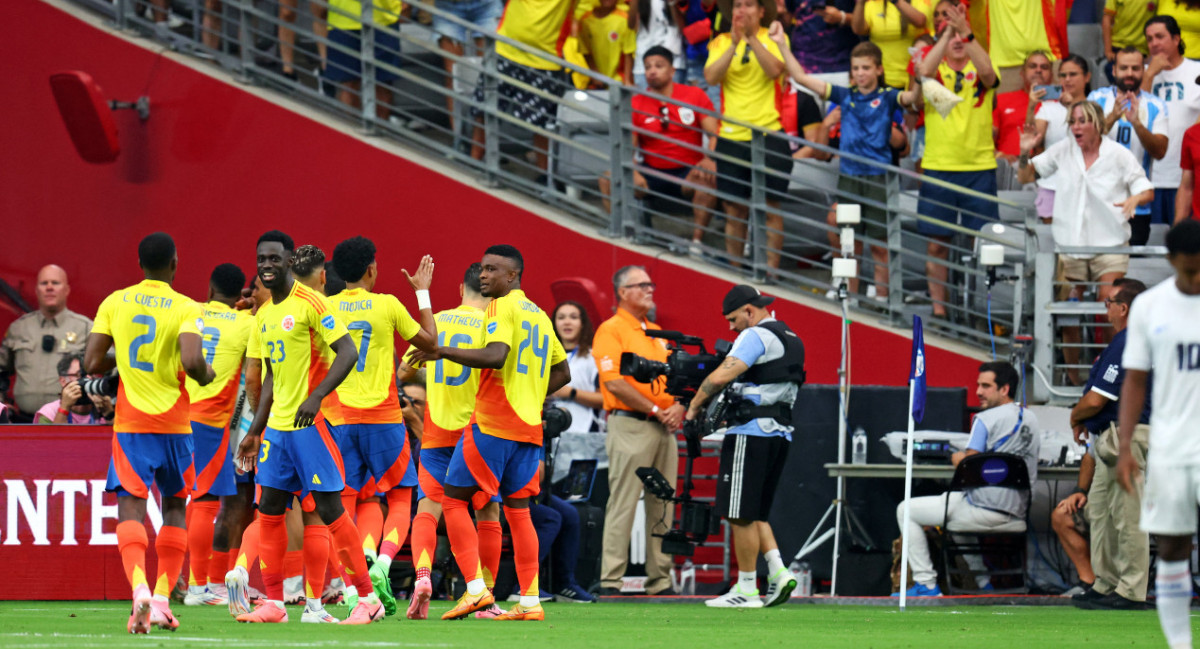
{"x": 1002, "y": 547}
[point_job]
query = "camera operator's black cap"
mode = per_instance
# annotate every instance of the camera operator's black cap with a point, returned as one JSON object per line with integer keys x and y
{"x": 741, "y": 295}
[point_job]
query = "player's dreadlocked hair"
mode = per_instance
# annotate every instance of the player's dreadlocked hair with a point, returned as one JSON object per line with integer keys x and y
{"x": 228, "y": 280}
{"x": 352, "y": 257}
{"x": 307, "y": 260}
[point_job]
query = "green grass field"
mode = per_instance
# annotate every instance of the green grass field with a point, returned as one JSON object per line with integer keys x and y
{"x": 67, "y": 625}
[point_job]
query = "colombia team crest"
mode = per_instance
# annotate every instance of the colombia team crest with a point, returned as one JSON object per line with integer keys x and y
{"x": 288, "y": 323}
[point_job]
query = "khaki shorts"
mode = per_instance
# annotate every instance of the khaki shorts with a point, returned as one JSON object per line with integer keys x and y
{"x": 1091, "y": 270}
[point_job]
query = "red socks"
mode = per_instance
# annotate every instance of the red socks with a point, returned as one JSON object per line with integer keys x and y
{"x": 395, "y": 527}
{"x": 424, "y": 542}
{"x": 491, "y": 537}
{"x": 464, "y": 542}
{"x": 525, "y": 548}
{"x": 272, "y": 545}
{"x": 369, "y": 521}
{"x": 346, "y": 542}
{"x": 218, "y": 563}
{"x": 293, "y": 564}
{"x": 131, "y": 543}
{"x": 171, "y": 547}
{"x": 201, "y": 519}
{"x": 316, "y": 556}
{"x": 248, "y": 551}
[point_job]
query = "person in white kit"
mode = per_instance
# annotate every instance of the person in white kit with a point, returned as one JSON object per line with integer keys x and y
{"x": 1172, "y": 78}
{"x": 1164, "y": 338}
{"x": 1005, "y": 426}
{"x": 1137, "y": 120}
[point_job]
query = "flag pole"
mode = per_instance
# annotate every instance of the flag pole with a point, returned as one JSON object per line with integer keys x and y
{"x": 908, "y": 471}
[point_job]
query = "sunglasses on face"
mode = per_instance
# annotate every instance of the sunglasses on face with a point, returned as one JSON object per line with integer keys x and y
{"x": 664, "y": 117}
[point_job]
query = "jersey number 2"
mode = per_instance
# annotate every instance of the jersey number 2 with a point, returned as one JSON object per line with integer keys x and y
{"x": 144, "y": 339}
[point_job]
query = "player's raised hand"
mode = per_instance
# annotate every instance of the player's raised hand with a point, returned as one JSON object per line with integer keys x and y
{"x": 424, "y": 277}
{"x": 306, "y": 414}
{"x": 247, "y": 453}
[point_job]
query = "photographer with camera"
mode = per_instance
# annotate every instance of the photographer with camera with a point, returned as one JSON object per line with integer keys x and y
{"x": 757, "y": 384}
{"x": 74, "y": 405}
{"x": 642, "y": 418}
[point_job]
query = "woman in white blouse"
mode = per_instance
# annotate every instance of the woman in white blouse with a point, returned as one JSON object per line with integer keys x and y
{"x": 581, "y": 397}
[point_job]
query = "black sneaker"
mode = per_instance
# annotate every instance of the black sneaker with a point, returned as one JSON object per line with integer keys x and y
{"x": 1114, "y": 602}
{"x": 1086, "y": 597}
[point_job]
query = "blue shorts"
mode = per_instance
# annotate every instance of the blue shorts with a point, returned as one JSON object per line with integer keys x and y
{"x": 431, "y": 476}
{"x": 141, "y": 459}
{"x": 495, "y": 465}
{"x": 484, "y": 13}
{"x": 342, "y": 66}
{"x": 378, "y": 451}
{"x": 301, "y": 460}
{"x": 945, "y": 204}
{"x": 213, "y": 461}
{"x": 1162, "y": 208}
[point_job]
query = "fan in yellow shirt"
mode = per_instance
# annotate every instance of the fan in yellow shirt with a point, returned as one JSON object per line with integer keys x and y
{"x": 607, "y": 42}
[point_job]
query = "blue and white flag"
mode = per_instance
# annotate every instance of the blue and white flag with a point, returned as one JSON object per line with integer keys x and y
{"x": 917, "y": 373}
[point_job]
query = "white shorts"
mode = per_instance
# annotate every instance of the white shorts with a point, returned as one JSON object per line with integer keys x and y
{"x": 1169, "y": 499}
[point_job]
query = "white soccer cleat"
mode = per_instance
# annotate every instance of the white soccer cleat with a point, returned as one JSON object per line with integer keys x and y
{"x": 293, "y": 591}
{"x": 736, "y": 598}
{"x": 237, "y": 585}
{"x": 316, "y": 616}
{"x": 201, "y": 596}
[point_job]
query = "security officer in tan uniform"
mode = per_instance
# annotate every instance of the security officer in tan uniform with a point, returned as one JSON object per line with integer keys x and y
{"x": 36, "y": 341}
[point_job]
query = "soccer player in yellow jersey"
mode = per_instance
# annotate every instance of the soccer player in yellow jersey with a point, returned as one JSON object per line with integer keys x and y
{"x": 155, "y": 333}
{"x": 522, "y": 361}
{"x": 450, "y": 402}
{"x": 289, "y": 441}
{"x": 374, "y": 441}
{"x": 224, "y": 338}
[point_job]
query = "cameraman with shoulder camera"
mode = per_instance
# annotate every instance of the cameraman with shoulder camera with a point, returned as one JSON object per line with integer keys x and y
{"x": 762, "y": 373}
{"x": 641, "y": 421}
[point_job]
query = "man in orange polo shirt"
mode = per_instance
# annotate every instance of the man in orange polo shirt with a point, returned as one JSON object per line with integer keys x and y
{"x": 642, "y": 420}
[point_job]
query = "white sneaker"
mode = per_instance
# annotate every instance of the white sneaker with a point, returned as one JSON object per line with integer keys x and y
{"x": 200, "y": 596}
{"x": 218, "y": 590}
{"x": 317, "y": 616}
{"x": 783, "y": 583}
{"x": 237, "y": 585}
{"x": 736, "y": 598}
{"x": 293, "y": 590}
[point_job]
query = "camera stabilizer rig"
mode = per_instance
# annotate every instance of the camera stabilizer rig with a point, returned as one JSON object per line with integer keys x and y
{"x": 683, "y": 372}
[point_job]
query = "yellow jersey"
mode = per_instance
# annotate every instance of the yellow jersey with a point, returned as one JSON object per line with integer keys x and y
{"x": 509, "y": 403}
{"x": 145, "y": 321}
{"x": 1189, "y": 24}
{"x": 963, "y": 140}
{"x": 294, "y": 336}
{"x": 1018, "y": 28}
{"x": 225, "y": 336}
{"x": 368, "y": 395}
{"x": 449, "y": 387}
{"x": 607, "y": 39}
{"x": 344, "y": 14}
{"x": 1129, "y": 20}
{"x": 883, "y": 21}
{"x": 747, "y": 93}
{"x": 536, "y": 23}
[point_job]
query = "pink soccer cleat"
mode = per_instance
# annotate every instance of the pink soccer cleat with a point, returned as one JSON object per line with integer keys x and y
{"x": 161, "y": 615}
{"x": 368, "y": 610}
{"x": 418, "y": 608}
{"x": 269, "y": 612}
{"x": 139, "y": 617}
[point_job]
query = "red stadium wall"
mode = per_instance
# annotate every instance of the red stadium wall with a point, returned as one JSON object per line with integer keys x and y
{"x": 216, "y": 166}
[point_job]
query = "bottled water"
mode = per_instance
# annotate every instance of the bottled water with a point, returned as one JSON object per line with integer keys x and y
{"x": 858, "y": 446}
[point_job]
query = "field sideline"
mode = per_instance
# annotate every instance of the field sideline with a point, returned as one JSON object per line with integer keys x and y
{"x": 54, "y": 625}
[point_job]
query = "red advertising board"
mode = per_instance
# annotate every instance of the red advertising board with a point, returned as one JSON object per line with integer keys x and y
{"x": 57, "y": 524}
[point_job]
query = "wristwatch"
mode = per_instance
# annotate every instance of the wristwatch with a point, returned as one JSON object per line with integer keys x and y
{"x": 969, "y": 37}
{"x": 573, "y": 393}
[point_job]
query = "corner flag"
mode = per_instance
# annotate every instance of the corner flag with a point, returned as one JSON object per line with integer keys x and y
{"x": 917, "y": 373}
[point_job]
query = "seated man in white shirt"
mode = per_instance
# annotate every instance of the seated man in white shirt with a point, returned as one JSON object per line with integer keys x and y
{"x": 1100, "y": 187}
